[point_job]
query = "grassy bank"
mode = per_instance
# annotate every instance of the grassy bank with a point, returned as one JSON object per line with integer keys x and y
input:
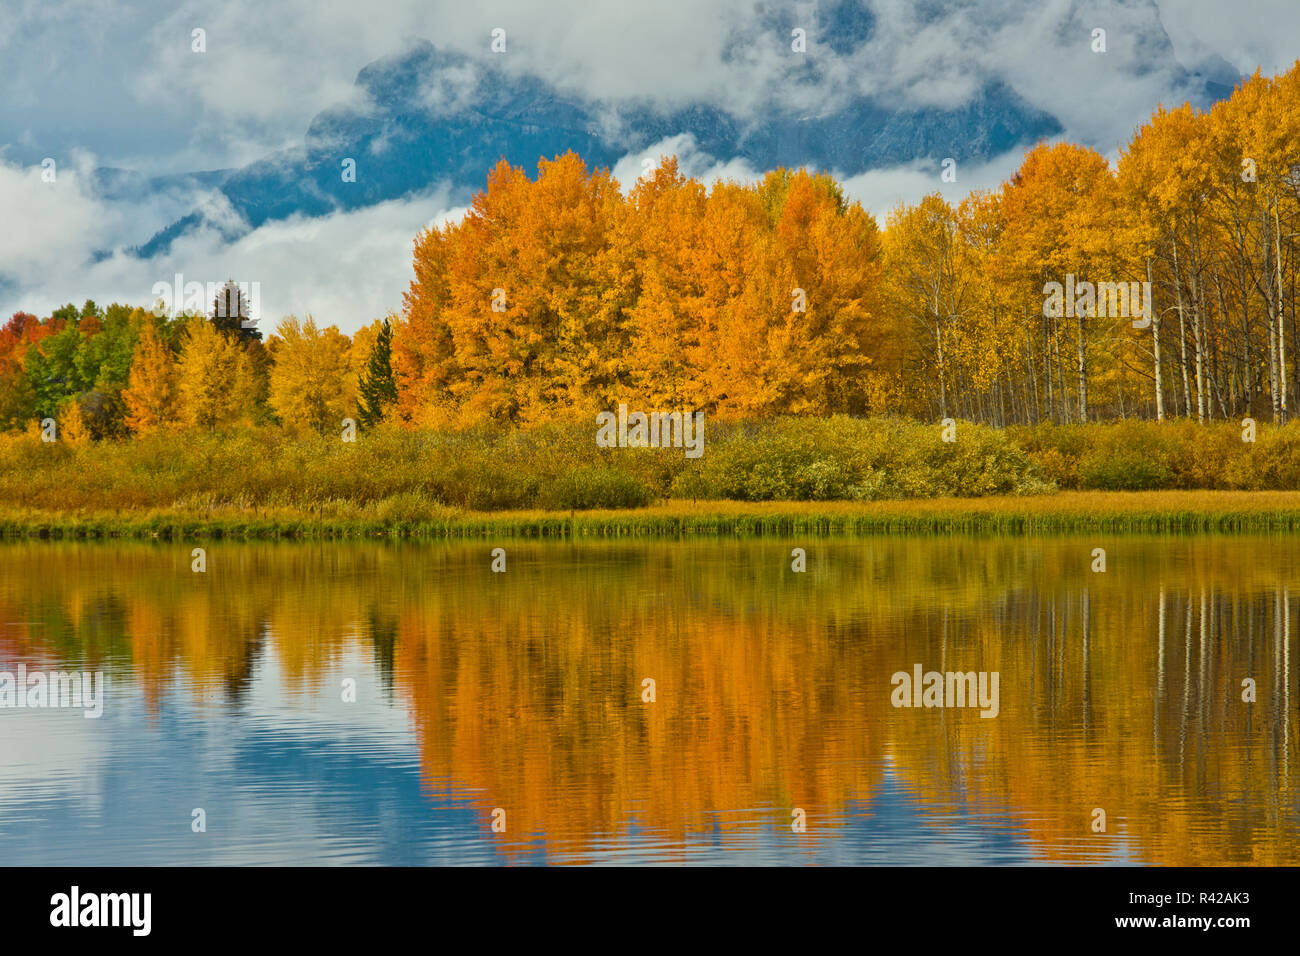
{"x": 393, "y": 472}
{"x": 778, "y": 476}
{"x": 1066, "y": 512}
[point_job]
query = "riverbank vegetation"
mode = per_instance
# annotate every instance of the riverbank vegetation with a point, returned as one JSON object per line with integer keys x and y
{"x": 566, "y": 294}
{"x": 1168, "y": 512}
{"x": 833, "y": 361}
{"x": 787, "y": 474}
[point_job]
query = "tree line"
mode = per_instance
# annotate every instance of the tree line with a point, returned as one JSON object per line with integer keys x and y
{"x": 781, "y": 297}
{"x": 560, "y": 296}
{"x": 1202, "y": 206}
{"x": 104, "y": 373}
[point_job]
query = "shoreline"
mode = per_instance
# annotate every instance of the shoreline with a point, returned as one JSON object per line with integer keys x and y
{"x": 1143, "y": 512}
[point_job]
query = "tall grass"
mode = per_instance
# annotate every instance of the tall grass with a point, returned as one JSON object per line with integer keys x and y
{"x": 393, "y": 469}
{"x": 1144, "y": 456}
{"x": 1171, "y": 512}
{"x": 555, "y": 467}
{"x": 410, "y": 481}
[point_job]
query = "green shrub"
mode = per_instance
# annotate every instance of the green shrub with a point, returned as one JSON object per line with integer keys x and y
{"x": 841, "y": 458}
{"x": 595, "y": 487}
{"x": 559, "y": 466}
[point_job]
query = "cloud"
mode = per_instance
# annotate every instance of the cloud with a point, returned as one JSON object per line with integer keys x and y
{"x": 691, "y": 161}
{"x": 881, "y": 190}
{"x": 878, "y": 190}
{"x": 121, "y": 74}
{"x": 115, "y": 82}
{"x": 346, "y": 268}
{"x": 1256, "y": 34}
{"x": 48, "y": 220}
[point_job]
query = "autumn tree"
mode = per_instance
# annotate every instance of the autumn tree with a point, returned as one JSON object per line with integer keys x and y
{"x": 517, "y": 313}
{"x": 663, "y": 230}
{"x": 72, "y": 427}
{"x": 151, "y": 394}
{"x": 821, "y": 355}
{"x": 1058, "y": 207}
{"x": 928, "y": 290}
{"x": 17, "y": 397}
{"x": 215, "y": 382}
{"x": 558, "y": 297}
{"x": 312, "y": 384}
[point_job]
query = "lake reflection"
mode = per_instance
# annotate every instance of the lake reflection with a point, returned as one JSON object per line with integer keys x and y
{"x": 523, "y": 691}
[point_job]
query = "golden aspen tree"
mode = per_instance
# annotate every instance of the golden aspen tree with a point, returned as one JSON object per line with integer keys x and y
{"x": 662, "y": 230}
{"x": 313, "y": 385}
{"x": 363, "y": 340}
{"x": 735, "y": 242}
{"x": 927, "y": 294}
{"x": 517, "y": 314}
{"x": 1056, "y": 206}
{"x": 151, "y": 393}
{"x": 215, "y": 381}
{"x": 824, "y": 329}
{"x": 72, "y": 425}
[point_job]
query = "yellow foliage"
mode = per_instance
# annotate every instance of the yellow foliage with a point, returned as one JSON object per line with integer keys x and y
{"x": 215, "y": 379}
{"x": 151, "y": 392}
{"x": 313, "y": 381}
{"x": 72, "y": 425}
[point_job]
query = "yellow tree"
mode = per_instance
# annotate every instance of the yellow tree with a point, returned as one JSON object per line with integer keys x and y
{"x": 1180, "y": 182}
{"x": 991, "y": 344}
{"x": 215, "y": 380}
{"x": 734, "y": 241}
{"x": 151, "y": 392}
{"x": 72, "y": 425}
{"x": 664, "y": 232}
{"x": 363, "y": 341}
{"x": 1144, "y": 231}
{"x": 822, "y": 295}
{"x": 1058, "y": 207}
{"x": 518, "y": 313}
{"x": 1254, "y": 137}
{"x": 313, "y": 383}
{"x": 929, "y": 291}
{"x": 424, "y": 359}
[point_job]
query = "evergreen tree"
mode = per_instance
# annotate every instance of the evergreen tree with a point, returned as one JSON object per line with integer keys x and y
{"x": 231, "y": 314}
{"x": 378, "y": 391}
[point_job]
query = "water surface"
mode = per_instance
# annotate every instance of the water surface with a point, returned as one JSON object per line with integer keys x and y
{"x": 519, "y": 696}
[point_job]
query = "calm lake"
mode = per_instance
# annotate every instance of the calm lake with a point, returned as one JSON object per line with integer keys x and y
{"x": 653, "y": 702}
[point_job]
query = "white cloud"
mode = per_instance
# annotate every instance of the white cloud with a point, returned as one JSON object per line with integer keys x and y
{"x": 47, "y": 219}
{"x": 269, "y": 68}
{"x": 691, "y": 161}
{"x": 122, "y": 73}
{"x": 346, "y": 268}
{"x": 1252, "y": 34}
{"x": 880, "y": 190}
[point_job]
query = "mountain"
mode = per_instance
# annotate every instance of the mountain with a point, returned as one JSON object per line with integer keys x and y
{"x": 432, "y": 115}
{"x": 429, "y": 116}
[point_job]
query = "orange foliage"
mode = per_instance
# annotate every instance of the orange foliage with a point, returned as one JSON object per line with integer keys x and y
{"x": 559, "y": 297}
